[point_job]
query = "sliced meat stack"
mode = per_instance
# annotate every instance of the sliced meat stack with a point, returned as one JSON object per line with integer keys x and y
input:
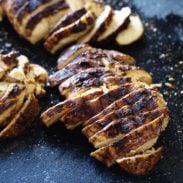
{"x": 64, "y": 22}
{"x": 20, "y": 85}
{"x": 121, "y": 112}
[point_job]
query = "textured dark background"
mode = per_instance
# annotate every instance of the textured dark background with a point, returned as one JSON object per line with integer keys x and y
{"x": 56, "y": 155}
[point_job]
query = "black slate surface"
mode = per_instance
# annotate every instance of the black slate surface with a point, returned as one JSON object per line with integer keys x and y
{"x": 56, "y": 155}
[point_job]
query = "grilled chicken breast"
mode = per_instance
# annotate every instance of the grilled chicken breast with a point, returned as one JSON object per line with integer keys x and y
{"x": 20, "y": 84}
{"x": 139, "y": 140}
{"x": 77, "y": 52}
{"x": 121, "y": 111}
{"x": 132, "y": 33}
{"x": 141, "y": 164}
{"x": 118, "y": 21}
{"x": 22, "y": 120}
{"x": 70, "y": 33}
{"x": 100, "y": 26}
{"x": 33, "y": 19}
{"x": 116, "y": 129}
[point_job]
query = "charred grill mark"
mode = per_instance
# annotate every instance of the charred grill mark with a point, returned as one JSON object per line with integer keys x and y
{"x": 98, "y": 123}
{"x": 89, "y": 109}
{"x": 129, "y": 99}
{"x": 49, "y": 11}
{"x": 10, "y": 59}
{"x": 103, "y": 26}
{"x": 79, "y": 26}
{"x": 130, "y": 142}
{"x": 5, "y": 105}
{"x": 29, "y": 7}
{"x": 85, "y": 76}
{"x": 127, "y": 124}
{"x": 69, "y": 19}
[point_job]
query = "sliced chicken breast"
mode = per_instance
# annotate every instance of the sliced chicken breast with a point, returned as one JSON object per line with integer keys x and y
{"x": 70, "y": 33}
{"x": 53, "y": 114}
{"x": 22, "y": 119}
{"x": 132, "y": 33}
{"x": 117, "y": 129}
{"x": 84, "y": 51}
{"x": 154, "y": 99}
{"x": 118, "y": 21}
{"x": 28, "y": 16}
{"x": 11, "y": 102}
{"x": 100, "y": 26}
{"x": 139, "y": 140}
{"x": 141, "y": 164}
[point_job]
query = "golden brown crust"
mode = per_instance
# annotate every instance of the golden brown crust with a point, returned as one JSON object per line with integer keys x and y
{"x": 20, "y": 83}
{"x": 22, "y": 120}
{"x": 131, "y": 143}
{"x": 69, "y": 19}
{"x": 79, "y": 28}
{"x": 118, "y": 128}
{"x": 49, "y": 11}
{"x": 141, "y": 164}
{"x": 90, "y": 108}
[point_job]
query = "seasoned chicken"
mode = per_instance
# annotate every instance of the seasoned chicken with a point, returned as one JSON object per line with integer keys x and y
{"x": 22, "y": 120}
{"x": 100, "y": 26}
{"x": 100, "y": 77}
{"x": 116, "y": 129}
{"x": 121, "y": 111}
{"x": 132, "y": 33}
{"x": 81, "y": 64}
{"x": 70, "y": 33}
{"x": 139, "y": 140}
{"x": 54, "y": 113}
{"x": 33, "y": 19}
{"x": 141, "y": 164}
{"x": 117, "y": 23}
{"x": 84, "y": 51}
{"x": 20, "y": 84}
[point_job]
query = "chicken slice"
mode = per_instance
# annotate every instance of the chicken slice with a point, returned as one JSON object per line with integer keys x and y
{"x": 154, "y": 99}
{"x": 40, "y": 24}
{"x": 117, "y": 23}
{"x": 82, "y": 64}
{"x": 22, "y": 119}
{"x": 132, "y": 33}
{"x": 84, "y": 51}
{"x": 70, "y": 33}
{"x": 91, "y": 108}
{"x": 100, "y": 26}
{"x": 104, "y": 118}
{"x": 11, "y": 102}
{"x": 139, "y": 140}
{"x": 53, "y": 114}
{"x": 69, "y": 19}
{"x": 101, "y": 76}
{"x": 28, "y": 16}
{"x": 141, "y": 164}
{"x": 70, "y": 54}
{"x": 7, "y": 62}
{"x": 117, "y": 129}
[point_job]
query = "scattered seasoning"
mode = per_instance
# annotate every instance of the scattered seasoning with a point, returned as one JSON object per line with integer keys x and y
{"x": 169, "y": 85}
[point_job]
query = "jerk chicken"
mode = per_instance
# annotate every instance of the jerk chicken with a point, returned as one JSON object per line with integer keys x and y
{"x": 121, "y": 112}
{"x": 20, "y": 85}
{"x": 60, "y": 23}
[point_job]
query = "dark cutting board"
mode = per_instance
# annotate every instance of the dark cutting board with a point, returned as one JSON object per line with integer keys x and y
{"x": 56, "y": 155}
